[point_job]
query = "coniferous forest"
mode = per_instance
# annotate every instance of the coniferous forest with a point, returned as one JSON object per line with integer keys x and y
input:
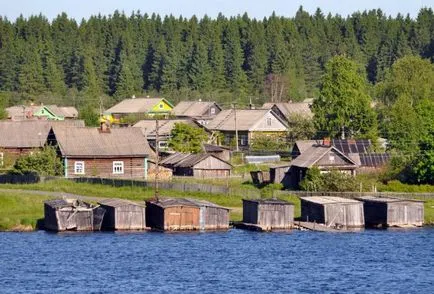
{"x": 241, "y": 59}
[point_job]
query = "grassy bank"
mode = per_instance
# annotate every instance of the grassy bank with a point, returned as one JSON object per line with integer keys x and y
{"x": 96, "y": 190}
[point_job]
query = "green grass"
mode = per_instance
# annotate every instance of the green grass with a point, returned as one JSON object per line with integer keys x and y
{"x": 20, "y": 211}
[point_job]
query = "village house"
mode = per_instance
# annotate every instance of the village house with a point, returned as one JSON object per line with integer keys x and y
{"x": 325, "y": 158}
{"x": 48, "y": 112}
{"x": 201, "y": 111}
{"x": 102, "y": 152}
{"x": 200, "y": 165}
{"x": 286, "y": 109}
{"x": 165, "y": 127}
{"x": 138, "y": 107}
{"x": 248, "y": 123}
{"x": 19, "y": 138}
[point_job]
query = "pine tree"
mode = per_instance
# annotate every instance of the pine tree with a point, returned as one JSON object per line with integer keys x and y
{"x": 199, "y": 71}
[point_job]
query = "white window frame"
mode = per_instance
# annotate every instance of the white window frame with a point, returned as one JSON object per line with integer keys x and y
{"x": 118, "y": 167}
{"x": 2, "y": 157}
{"x": 269, "y": 122}
{"x": 163, "y": 144}
{"x": 76, "y": 168}
{"x": 212, "y": 110}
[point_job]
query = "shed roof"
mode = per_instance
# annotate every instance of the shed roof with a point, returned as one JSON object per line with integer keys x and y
{"x": 269, "y": 201}
{"x": 92, "y": 143}
{"x": 172, "y": 202}
{"x": 29, "y": 133}
{"x": 204, "y": 203}
{"x": 65, "y": 111}
{"x": 289, "y": 108}
{"x": 115, "y": 202}
{"x": 188, "y": 160}
{"x": 246, "y": 119}
{"x": 312, "y": 155}
{"x": 385, "y": 199}
{"x": 328, "y": 200}
{"x": 135, "y": 105}
{"x": 193, "y": 108}
{"x": 61, "y": 203}
{"x": 165, "y": 127}
{"x": 214, "y": 148}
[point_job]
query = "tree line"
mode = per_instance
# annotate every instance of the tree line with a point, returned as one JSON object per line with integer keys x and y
{"x": 223, "y": 59}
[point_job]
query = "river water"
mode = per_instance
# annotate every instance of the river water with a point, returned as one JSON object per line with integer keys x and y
{"x": 236, "y": 261}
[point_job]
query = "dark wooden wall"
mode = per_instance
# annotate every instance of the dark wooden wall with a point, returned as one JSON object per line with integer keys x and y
{"x": 216, "y": 218}
{"x": 250, "y": 212}
{"x": 125, "y": 217}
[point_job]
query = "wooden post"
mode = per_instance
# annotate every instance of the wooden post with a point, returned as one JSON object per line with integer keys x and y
{"x": 236, "y": 128}
{"x": 156, "y": 160}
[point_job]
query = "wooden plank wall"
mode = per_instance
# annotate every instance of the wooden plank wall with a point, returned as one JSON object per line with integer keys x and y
{"x": 405, "y": 213}
{"x": 216, "y": 218}
{"x": 98, "y": 167}
{"x": 276, "y": 216}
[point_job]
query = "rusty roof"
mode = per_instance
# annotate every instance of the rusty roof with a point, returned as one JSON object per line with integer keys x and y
{"x": 135, "y": 105}
{"x": 92, "y": 143}
{"x": 30, "y": 133}
{"x": 193, "y": 108}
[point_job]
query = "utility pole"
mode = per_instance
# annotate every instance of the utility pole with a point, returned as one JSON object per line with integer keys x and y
{"x": 157, "y": 161}
{"x": 236, "y": 128}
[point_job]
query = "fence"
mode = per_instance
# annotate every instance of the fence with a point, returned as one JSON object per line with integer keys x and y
{"x": 20, "y": 179}
{"x": 244, "y": 192}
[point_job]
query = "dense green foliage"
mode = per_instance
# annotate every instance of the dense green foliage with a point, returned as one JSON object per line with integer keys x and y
{"x": 277, "y": 58}
{"x": 343, "y": 106}
{"x": 44, "y": 162}
{"x": 333, "y": 181}
{"x": 270, "y": 143}
{"x": 187, "y": 138}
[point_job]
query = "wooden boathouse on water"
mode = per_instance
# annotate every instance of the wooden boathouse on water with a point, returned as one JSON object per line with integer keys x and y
{"x": 267, "y": 214}
{"x": 174, "y": 214}
{"x": 392, "y": 212}
{"x": 123, "y": 215}
{"x": 75, "y": 215}
{"x": 332, "y": 211}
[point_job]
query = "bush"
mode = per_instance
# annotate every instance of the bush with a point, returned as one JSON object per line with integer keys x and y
{"x": 44, "y": 162}
{"x": 333, "y": 181}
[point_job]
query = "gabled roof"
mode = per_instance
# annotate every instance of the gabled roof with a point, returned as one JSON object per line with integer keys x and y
{"x": 92, "y": 143}
{"x": 328, "y": 200}
{"x": 193, "y": 108}
{"x": 312, "y": 155}
{"x": 187, "y": 159}
{"x": 247, "y": 119}
{"x": 65, "y": 111}
{"x": 30, "y": 133}
{"x": 346, "y": 146}
{"x": 136, "y": 105}
{"x": 190, "y": 202}
{"x": 115, "y": 202}
{"x": 22, "y": 111}
{"x": 214, "y": 148}
{"x": 165, "y": 127}
{"x": 289, "y": 108}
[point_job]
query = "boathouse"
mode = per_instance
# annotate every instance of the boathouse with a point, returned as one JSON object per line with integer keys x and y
{"x": 75, "y": 215}
{"x": 392, "y": 212}
{"x": 172, "y": 214}
{"x": 268, "y": 214}
{"x": 123, "y": 215}
{"x": 332, "y": 211}
{"x": 212, "y": 216}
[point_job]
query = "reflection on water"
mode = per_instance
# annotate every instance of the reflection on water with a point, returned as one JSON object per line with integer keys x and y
{"x": 230, "y": 262}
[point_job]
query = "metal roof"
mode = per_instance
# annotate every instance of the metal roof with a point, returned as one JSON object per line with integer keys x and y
{"x": 135, "y": 105}
{"x": 269, "y": 201}
{"x": 312, "y": 155}
{"x": 172, "y": 202}
{"x": 193, "y": 108}
{"x": 93, "y": 143}
{"x": 328, "y": 200}
{"x": 374, "y": 159}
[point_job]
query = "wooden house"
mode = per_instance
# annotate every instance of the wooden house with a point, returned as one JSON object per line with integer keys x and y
{"x": 325, "y": 158}
{"x": 333, "y": 211}
{"x": 268, "y": 214}
{"x": 123, "y": 215}
{"x": 199, "y": 165}
{"x": 221, "y": 152}
{"x": 102, "y": 152}
{"x": 44, "y": 112}
{"x": 165, "y": 127}
{"x": 75, "y": 215}
{"x": 201, "y": 111}
{"x": 286, "y": 110}
{"x": 392, "y": 212}
{"x": 248, "y": 123}
{"x": 175, "y": 214}
{"x": 139, "y": 107}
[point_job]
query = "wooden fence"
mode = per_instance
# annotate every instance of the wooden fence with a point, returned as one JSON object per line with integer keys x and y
{"x": 244, "y": 192}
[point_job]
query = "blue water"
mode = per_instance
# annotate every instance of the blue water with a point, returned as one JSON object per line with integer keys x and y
{"x": 222, "y": 262}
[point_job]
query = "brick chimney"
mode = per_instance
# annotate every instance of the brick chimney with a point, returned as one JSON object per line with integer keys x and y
{"x": 104, "y": 127}
{"x": 326, "y": 142}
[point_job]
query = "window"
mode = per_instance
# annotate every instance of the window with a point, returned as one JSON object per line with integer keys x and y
{"x": 161, "y": 105}
{"x": 79, "y": 167}
{"x": 212, "y": 110}
{"x": 331, "y": 157}
{"x": 1, "y": 159}
{"x": 243, "y": 140}
{"x": 268, "y": 121}
{"x": 118, "y": 167}
{"x": 162, "y": 144}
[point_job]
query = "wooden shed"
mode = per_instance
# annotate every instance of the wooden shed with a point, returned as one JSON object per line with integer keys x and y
{"x": 75, "y": 215}
{"x": 392, "y": 212}
{"x": 212, "y": 216}
{"x": 332, "y": 211}
{"x": 172, "y": 214}
{"x": 123, "y": 215}
{"x": 268, "y": 214}
{"x": 278, "y": 173}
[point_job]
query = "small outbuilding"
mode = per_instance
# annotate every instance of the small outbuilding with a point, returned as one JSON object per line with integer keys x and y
{"x": 74, "y": 215}
{"x": 332, "y": 211}
{"x": 123, "y": 215}
{"x": 392, "y": 212}
{"x": 175, "y": 214}
{"x": 268, "y": 214}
